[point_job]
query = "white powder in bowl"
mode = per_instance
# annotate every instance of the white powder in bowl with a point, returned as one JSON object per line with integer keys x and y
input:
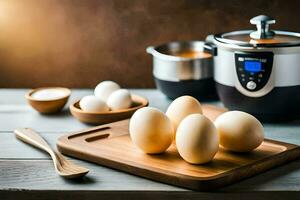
{"x": 48, "y": 94}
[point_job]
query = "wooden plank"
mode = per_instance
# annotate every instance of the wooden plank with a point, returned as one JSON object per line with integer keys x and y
{"x": 284, "y": 178}
{"x": 39, "y": 175}
{"x": 16, "y": 96}
{"x": 280, "y": 183}
{"x": 14, "y": 111}
{"x": 11, "y": 148}
{"x": 62, "y": 122}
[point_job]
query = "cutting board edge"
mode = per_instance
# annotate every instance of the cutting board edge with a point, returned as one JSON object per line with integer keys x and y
{"x": 64, "y": 145}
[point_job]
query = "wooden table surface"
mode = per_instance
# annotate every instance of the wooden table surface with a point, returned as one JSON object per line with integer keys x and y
{"x": 27, "y": 173}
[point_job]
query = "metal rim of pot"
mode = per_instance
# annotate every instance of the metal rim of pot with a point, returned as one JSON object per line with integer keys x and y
{"x": 155, "y": 50}
{"x": 220, "y": 37}
{"x": 223, "y": 40}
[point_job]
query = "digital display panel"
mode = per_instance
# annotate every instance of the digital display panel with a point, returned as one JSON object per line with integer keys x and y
{"x": 252, "y": 66}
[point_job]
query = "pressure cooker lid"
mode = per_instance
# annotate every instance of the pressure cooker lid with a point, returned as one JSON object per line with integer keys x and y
{"x": 263, "y": 36}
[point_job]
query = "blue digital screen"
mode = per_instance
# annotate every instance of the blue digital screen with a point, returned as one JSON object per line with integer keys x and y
{"x": 252, "y": 66}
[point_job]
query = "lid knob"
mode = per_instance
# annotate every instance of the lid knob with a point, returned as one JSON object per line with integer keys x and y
{"x": 262, "y": 23}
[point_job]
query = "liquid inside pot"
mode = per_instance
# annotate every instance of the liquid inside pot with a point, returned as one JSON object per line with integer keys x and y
{"x": 192, "y": 54}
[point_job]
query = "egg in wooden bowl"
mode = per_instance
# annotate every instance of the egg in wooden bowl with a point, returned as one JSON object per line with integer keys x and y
{"x": 97, "y": 118}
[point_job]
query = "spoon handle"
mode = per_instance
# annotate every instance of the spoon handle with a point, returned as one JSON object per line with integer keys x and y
{"x": 31, "y": 137}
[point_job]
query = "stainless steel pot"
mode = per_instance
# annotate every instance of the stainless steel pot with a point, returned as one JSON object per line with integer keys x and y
{"x": 176, "y": 76}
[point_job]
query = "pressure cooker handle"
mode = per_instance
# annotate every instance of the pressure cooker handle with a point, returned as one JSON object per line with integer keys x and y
{"x": 209, "y": 46}
{"x": 150, "y": 49}
{"x": 262, "y": 23}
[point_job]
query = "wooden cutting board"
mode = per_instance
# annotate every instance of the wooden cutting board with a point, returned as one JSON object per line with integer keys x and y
{"x": 110, "y": 145}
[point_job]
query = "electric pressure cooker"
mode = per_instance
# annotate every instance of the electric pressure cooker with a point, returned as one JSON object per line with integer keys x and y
{"x": 258, "y": 71}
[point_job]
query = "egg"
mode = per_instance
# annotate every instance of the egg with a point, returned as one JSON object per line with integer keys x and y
{"x": 104, "y": 89}
{"x": 151, "y": 130}
{"x": 93, "y": 104}
{"x": 182, "y": 107}
{"x": 239, "y": 131}
{"x": 197, "y": 140}
{"x": 119, "y": 99}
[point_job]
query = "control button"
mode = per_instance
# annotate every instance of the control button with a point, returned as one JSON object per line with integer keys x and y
{"x": 251, "y": 78}
{"x": 241, "y": 59}
{"x": 243, "y": 79}
{"x": 260, "y": 75}
{"x": 240, "y": 69}
{"x": 251, "y": 85}
{"x": 243, "y": 75}
{"x": 264, "y": 60}
{"x": 259, "y": 80}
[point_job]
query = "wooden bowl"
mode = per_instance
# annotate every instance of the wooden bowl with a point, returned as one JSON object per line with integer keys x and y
{"x": 48, "y": 106}
{"x": 97, "y": 118}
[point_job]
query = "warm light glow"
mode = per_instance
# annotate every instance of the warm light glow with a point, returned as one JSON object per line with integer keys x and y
{"x": 34, "y": 31}
{"x": 40, "y": 35}
{"x": 6, "y": 11}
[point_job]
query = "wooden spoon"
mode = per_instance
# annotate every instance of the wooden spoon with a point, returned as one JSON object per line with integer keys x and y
{"x": 62, "y": 166}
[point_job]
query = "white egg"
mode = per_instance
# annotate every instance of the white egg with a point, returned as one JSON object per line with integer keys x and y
{"x": 151, "y": 130}
{"x": 239, "y": 131}
{"x": 196, "y": 139}
{"x": 93, "y": 104}
{"x": 119, "y": 99}
{"x": 104, "y": 89}
{"x": 182, "y": 107}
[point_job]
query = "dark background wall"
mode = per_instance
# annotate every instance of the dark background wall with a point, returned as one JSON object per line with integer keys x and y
{"x": 77, "y": 43}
